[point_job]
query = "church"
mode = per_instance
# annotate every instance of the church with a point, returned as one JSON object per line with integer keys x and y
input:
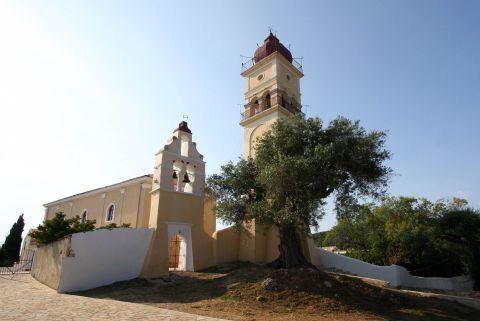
{"x": 172, "y": 202}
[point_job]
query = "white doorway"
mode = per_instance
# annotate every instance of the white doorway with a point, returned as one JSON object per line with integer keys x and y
{"x": 180, "y": 255}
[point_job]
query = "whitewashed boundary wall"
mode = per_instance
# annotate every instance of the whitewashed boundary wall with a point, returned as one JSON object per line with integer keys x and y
{"x": 93, "y": 259}
{"x": 396, "y": 275}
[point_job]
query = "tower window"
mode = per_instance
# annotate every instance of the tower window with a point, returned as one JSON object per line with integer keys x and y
{"x": 83, "y": 217}
{"x": 110, "y": 213}
{"x": 256, "y": 107}
{"x": 268, "y": 101}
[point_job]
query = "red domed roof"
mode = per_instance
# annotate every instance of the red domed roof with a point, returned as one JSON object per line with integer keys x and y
{"x": 271, "y": 45}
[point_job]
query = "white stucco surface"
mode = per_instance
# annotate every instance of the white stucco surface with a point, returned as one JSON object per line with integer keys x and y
{"x": 104, "y": 256}
{"x": 396, "y": 275}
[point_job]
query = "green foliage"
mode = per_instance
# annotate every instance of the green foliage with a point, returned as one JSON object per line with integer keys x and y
{"x": 59, "y": 227}
{"x": 318, "y": 238}
{"x": 113, "y": 225}
{"x": 10, "y": 250}
{"x": 459, "y": 229}
{"x": 429, "y": 239}
{"x": 298, "y": 164}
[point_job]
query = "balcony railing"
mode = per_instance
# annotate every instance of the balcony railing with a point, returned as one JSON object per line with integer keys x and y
{"x": 296, "y": 62}
{"x": 249, "y": 113}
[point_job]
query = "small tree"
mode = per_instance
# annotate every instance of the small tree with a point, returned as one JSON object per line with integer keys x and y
{"x": 59, "y": 226}
{"x": 10, "y": 250}
{"x": 459, "y": 229}
{"x": 298, "y": 164}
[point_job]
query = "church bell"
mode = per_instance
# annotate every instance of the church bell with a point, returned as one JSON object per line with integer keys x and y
{"x": 186, "y": 179}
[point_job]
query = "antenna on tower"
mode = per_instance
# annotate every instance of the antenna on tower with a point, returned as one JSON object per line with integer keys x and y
{"x": 185, "y": 117}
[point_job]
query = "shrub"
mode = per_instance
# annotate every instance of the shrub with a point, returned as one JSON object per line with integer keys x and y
{"x": 113, "y": 225}
{"x": 59, "y": 227}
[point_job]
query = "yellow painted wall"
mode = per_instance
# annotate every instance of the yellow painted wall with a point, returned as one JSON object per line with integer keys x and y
{"x": 267, "y": 70}
{"x": 177, "y": 207}
{"x": 127, "y": 205}
{"x": 226, "y": 245}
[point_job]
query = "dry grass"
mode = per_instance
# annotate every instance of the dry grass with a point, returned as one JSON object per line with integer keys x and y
{"x": 235, "y": 292}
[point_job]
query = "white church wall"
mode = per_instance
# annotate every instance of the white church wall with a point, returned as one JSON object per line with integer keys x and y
{"x": 103, "y": 257}
{"x": 396, "y": 275}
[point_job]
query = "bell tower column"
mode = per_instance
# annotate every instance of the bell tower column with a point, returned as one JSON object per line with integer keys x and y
{"x": 272, "y": 92}
{"x": 177, "y": 210}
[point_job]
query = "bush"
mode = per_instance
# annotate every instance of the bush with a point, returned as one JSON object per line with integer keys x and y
{"x": 59, "y": 227}
{"x": 429, "y": 239}
{"x": 113, "y": 225}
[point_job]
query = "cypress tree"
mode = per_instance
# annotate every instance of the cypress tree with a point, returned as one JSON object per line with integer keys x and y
{"x": 10, "y": 251}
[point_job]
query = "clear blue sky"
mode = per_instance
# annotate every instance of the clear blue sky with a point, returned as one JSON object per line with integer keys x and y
{"x": 90, "y": 90}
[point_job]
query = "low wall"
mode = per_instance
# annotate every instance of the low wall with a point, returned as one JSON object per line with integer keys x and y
{"x": 92, "y": 259}
{"x": 47, "y": 263}
{"x": 396, "y": 275}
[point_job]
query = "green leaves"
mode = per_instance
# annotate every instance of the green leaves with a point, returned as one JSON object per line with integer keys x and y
{"x": 10, "y": 250}
{"x": 429, "y": 239}
{"x": 59, "y": 227}
{"x": 298, "y": 164}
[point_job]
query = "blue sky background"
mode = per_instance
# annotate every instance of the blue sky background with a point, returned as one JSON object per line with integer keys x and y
{"x": 90, "y": 90}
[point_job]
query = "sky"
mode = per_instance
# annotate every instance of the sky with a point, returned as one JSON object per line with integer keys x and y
{"x": 90, "y": 90}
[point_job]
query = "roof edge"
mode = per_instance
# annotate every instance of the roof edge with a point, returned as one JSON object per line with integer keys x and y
{"x": 96, "y": 190}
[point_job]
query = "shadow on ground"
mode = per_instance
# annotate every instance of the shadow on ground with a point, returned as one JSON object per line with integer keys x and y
{"x": 236, "y": 291}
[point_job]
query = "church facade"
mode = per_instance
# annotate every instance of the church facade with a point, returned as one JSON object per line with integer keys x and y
{"x": 172, "y": 202}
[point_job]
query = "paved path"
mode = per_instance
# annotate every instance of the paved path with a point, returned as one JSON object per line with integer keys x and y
{"x": 23, "y": 298}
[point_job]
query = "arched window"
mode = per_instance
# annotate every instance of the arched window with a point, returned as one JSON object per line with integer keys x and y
{"x": 83, "y": 217}
{"x": 256, "y": 107}
{"x": 268, "y": 101}
{"x": 110, "y": 213}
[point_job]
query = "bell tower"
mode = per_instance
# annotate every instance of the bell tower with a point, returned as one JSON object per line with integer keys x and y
{"x": 272, "y": 90}
{"x": 181, "y": 216}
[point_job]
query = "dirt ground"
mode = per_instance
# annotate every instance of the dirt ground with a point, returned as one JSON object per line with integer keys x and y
{"x": 240, "y": 292}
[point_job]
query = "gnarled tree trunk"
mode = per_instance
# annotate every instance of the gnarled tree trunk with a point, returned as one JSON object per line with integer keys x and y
{"x": 290, "y": 248}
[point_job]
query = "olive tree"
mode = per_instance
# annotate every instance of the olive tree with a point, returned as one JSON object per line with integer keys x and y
{"x": 298, "y": 164}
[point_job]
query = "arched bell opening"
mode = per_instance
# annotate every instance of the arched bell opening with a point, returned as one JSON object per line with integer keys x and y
{"x": 254, "y": 107}
{"x": 186, "y": 182}
{"x": 188, "y": 178}
{"x": 176, "y": 175}
{"x": 268, "y": 101}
